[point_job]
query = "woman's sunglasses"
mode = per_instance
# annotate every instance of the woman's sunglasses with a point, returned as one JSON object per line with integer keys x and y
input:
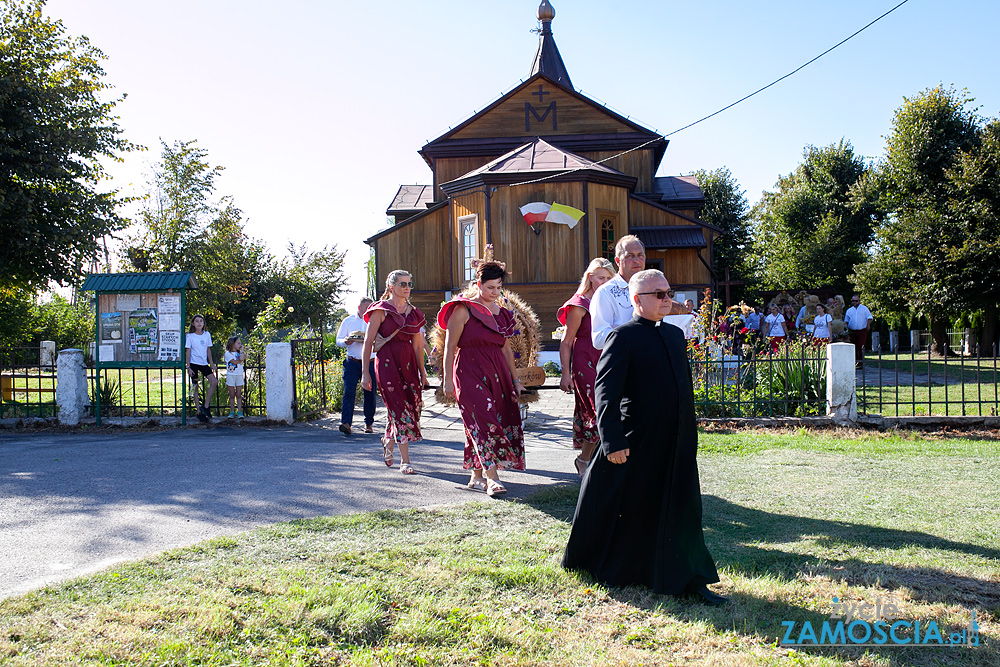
{"x": 405, "y": 284}
{"x": 659, "y": 294}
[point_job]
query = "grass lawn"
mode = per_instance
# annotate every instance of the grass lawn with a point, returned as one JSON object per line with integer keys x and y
{"x": 793, "y": 519}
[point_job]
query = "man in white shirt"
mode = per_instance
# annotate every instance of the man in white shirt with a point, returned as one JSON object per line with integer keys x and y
{"x": 352, "y": 369}
{"x": 859, "y": 322}
{"x": 611, "y": 305}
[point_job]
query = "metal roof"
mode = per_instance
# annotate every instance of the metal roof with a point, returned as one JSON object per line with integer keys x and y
{"x": 677, "y": 189}
{"x": 663, "y": 238}
{"x": 140, "y": 282}
{"x": 412, "y": 198}
{"x": 539, "y": 155}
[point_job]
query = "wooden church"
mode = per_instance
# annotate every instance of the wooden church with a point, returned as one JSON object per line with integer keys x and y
{"x": 543, "y": 142}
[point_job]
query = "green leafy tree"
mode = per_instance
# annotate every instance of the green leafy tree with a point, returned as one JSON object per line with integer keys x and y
{"x": 816, "y": 226}
{"x": 931, "y": 176}
{"x": 183, "y": 228}
{"x": 312, "y": 283}
{"x": 56, "y": 130}
{"x": 726, "y": 207}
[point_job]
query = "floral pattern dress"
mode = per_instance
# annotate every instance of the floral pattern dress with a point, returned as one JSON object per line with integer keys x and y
{"x": 397, "y": 371}
{"x": 484, "y": 389}
{"x": 583, "y": 369}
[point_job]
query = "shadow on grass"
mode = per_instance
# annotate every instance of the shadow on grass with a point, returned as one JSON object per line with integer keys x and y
{"x": 738, "y": 538}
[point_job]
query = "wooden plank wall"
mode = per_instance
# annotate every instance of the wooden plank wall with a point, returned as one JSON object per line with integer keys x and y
{"x": 682, "y": 267}
{"x": 545, "y": 299}
{"x": 573, "y": 116}
{"x": 638, "y": 164}
{"x": 556, "y": 253}
{"x": 450, "y": 168}
{"x": 608, "y": 198}
{"x": 421, "y": 247}
{"x": 644, "y": 215}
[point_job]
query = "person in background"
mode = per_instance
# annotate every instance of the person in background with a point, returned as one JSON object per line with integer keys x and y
{"x": 578, "y": 359}
{"x": 611, "y": 306}
{"x": 791, "y": 319}
{"x": 399, "y": 365}
{"x": 775, "y": 327}
{"x": 235, "y": 376}
{"x": 351, "y": 335}
{"x": 821, "y": 325}
{"x": 753, "y": 324}
{"x": 199, "y": 360}
{"x": 689, "y": 304}
{"x": 638, "y": 518}
{"x": 859, "y": 323}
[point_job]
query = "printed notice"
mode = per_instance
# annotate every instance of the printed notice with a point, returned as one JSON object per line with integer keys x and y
{"x": 127, "y": 302}
{"x": 170, "y": 346}
{"x": 111, "y": 328}
{"x": 170, "y": 321}
{"x": 169, "y": 304}
{"x": 106, "y": 353}
{"x": 142, "y": 331}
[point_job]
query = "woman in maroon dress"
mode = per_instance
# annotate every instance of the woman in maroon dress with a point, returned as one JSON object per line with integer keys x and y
{"x": 399, "y": 365}
{"x": 578, "y": 359}
{"x": 479, "y": 373}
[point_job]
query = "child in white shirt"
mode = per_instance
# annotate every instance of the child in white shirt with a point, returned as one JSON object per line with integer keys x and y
{"x": 235, "y": 376}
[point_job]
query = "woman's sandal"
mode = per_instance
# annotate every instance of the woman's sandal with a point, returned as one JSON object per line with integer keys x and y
{"x": 581, "y": 466}
{"x": 387, "y": 446}
{"x": 495, "y": 488}
{"x": 406, "y": 469}
{"x": 477, "y": 484}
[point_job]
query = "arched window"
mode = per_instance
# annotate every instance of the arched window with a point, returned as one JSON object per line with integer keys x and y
{"x": 608, "y": 237}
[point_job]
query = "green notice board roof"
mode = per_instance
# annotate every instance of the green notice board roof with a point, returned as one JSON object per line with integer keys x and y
{"x": 140, "y": 282}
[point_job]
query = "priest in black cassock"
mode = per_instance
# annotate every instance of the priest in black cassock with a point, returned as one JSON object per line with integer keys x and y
{"x": 638, "y": 518}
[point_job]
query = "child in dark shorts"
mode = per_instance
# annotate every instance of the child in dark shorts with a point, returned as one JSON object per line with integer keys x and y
{"x": 198, "y": 344}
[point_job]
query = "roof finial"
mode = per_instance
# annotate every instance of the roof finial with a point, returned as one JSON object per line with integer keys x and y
{"x": 547, "y": 59}
{"x": 546, "y": 12}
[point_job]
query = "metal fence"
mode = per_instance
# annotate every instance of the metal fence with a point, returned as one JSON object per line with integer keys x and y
{"x": 27, "y": 385}
{"x": 308, "y": 377}
{"x": 915, "y": 384}
{"x": 788, "y": 381}
{"x": 156, "y": 391}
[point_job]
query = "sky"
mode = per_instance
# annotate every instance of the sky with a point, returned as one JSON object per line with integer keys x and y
{"x": 316, "y": 108}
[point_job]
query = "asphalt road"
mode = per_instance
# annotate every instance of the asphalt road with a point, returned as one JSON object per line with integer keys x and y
{"x": 74, "y": 503}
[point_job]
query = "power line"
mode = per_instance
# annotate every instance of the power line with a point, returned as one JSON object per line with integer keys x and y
{"x": 729, "y": 106}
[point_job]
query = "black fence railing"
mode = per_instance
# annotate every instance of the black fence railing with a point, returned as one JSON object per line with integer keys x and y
{"x": 309, "y": 377}
{"x": 27, "y": 385}
{"x": 919, "y": 383}
{"x": 157, "y": 391}
{"x": 788, "y": 381}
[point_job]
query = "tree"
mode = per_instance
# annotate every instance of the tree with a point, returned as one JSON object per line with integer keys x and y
{"x": 816, "y": 226}
{"x": 56, "y": 129}
{"x": 312, "y": 283}
{"x": 726, "y": 207}
{"x": 182, "y": 228}
{"x": 912, "y": 265}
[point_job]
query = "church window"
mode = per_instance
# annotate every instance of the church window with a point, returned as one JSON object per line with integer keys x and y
{"x": 469, "y": 224}
{"x": 608, "y": 237}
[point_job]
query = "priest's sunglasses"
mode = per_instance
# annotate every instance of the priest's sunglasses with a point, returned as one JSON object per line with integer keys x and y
{"x": 660, "y": 294}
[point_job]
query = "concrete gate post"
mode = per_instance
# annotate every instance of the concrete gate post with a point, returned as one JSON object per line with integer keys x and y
{"x": 841, "y": 383}
{"x": 279, "y": 382}
{"x": 71, "y": 387}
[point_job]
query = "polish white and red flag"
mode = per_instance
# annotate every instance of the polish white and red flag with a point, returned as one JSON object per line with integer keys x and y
{"x": 554, "y": 212}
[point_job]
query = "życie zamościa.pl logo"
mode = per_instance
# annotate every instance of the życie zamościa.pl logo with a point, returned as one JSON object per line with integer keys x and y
{"x": 879, "y": 624}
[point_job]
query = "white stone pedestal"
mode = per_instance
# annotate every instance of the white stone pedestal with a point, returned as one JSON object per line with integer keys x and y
{"x": 279, "y": 382}
{"x": 841, "y": 385}
{"x": 71, "y": 387}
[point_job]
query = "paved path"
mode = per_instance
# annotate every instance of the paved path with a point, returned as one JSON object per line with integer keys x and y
{"x": 74, "y": 503}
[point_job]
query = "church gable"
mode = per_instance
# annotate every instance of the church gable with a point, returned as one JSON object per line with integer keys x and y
{"x": 540, "y": 107}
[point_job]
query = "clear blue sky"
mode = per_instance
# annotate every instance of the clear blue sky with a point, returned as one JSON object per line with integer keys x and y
{"x": 316, "y": 107}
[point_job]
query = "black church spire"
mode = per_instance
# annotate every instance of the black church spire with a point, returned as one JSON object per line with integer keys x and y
{"x": 547, "y": 60}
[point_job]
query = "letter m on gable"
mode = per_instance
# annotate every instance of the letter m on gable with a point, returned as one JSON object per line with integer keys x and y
{"x": 529, "y": 111}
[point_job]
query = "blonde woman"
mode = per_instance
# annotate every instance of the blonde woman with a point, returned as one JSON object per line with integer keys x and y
{"x": 578, "y": 359}
{"x": 399, "y": 366}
